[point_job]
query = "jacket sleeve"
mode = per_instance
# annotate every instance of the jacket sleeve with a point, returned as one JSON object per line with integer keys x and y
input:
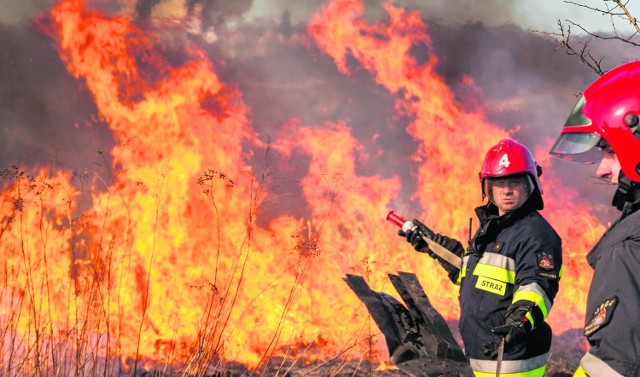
{"x": 538, "y": 270}
{"x": 611, "y": 319}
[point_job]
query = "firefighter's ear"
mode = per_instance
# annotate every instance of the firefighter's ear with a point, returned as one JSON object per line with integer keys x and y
{"x": 539, "y": 170}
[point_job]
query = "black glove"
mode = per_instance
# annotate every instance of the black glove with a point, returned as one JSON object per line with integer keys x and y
{"x": 415, "y": 237}
{"x": 515, "y": 329}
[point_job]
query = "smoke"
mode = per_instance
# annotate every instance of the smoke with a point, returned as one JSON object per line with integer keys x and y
{"x": 523, "y": 83}
{"x": 20, "y": 12}
{"x": 47, "y": 117}
{"x": 516, "y": 77}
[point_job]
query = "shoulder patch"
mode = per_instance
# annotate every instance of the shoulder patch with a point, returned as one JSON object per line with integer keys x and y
{"x": 601, "y": 316}
{"x": 545, "y": 261}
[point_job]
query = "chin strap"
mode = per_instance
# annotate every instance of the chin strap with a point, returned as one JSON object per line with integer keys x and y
{"x": 622, "y": 193}
{"x": 626, "y": 198}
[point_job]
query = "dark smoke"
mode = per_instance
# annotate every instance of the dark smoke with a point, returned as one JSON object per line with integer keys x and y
{"x": 48, "y": 118}
{"x": 145, "y": 7}
{"x": 521, "y": 82}
{"x": 524, "y": 82}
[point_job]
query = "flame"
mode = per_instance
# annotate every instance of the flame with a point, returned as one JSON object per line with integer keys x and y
{"x": 449, "y": 138}
{"x": 175, "y": 262}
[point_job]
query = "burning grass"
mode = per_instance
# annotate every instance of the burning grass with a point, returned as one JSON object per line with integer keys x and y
{"x": 65, "y": 310}
{"x": 62, "y": 314}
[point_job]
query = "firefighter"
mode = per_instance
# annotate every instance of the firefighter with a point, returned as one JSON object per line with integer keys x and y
{"x": 603, "y": 126}
{"x": 510, "y": 272}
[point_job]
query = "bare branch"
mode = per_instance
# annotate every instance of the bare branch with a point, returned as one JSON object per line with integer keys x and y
{"x": 563, "y": 39}
{"x": 598, "y": 10}
{"x": 615, "y": 36}
{"x": 632, "y": 20}
{"x": 616, "y": 10}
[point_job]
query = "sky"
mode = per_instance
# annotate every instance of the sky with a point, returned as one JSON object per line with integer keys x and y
{"x": 530, "y": 14}
{"x": 541, "y": 15}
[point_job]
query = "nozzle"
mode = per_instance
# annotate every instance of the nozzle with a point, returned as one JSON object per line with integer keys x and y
{"x": 394, "y": 218}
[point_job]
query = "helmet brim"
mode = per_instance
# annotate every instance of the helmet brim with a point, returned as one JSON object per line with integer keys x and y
{"x": 580, "y": 148}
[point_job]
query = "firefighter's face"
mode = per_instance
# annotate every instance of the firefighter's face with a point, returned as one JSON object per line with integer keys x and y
{"x": 609, "y": 168}
{"x": 509, "y": 193}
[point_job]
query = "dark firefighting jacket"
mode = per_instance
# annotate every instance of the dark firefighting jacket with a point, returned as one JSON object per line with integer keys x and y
{"x": 517, "y": 256}
{"x": 612, "y": 320}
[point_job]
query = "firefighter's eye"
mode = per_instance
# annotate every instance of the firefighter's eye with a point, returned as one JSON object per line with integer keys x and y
{"x": 602, "y": 144}
{"x": 511, "y": 183}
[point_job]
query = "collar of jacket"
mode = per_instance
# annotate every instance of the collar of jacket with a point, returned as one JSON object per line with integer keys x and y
{"x": 628, "y": 208}
{"x": 633, "y": 204}
{"x": 489, "y": 211}
{"x": 491, "y": 223}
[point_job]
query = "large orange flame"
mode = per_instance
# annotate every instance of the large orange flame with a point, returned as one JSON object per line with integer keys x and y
{"x": 451, "y": 139}
{"x": 171, "y": 265}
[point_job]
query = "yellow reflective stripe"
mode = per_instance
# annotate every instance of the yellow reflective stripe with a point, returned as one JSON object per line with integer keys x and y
{"x": 461, "y": 275}
{"x": 496, "y": 266}
{"x": 463, "y": 270}
{"x": 580, "y": 373}
{"x": 530, "y": 318}
{"x": 561, "y": 271}
{"x": 495, "y": 272}
{"x": 534, "y": 293}
{"x": 532, "y": 373}
{"x": 533, "y": 367}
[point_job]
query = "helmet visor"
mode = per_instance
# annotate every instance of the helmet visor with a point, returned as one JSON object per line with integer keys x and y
{"x": 512, "y": 181}
{"x": 581, "y": 148}
{"x": 577, "y": 117}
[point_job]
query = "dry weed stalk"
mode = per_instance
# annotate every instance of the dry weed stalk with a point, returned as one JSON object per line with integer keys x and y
{"x": 33, "y": 301}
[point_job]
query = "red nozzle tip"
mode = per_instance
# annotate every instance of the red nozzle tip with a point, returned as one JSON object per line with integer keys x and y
{"x": 394, "y": 218}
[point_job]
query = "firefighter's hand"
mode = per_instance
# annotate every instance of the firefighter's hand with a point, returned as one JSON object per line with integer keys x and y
{"x": 491, "y": 350}
{"x": 512, "y": 335}
{"x": 514, "y": 331}
{"x": 415, "y": 234}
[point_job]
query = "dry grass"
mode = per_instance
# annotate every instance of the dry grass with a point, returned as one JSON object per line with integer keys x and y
{"x": 31, "y": 304}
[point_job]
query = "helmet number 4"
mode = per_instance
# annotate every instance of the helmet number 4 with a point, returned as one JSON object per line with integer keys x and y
{"x": 504, "y": 161}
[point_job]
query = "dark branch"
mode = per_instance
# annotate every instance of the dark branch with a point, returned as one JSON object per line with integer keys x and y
{"x": 580, "y": 49}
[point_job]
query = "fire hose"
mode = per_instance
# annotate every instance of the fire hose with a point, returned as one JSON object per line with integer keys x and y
{"x": 438, "y": 249}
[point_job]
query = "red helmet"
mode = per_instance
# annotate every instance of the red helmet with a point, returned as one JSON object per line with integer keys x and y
{"x": 605, "y": 115}
{"x": 509, "y": 157}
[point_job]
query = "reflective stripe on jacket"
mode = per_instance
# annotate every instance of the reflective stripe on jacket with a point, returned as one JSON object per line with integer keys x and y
{"x": 534, "y": 367}
{"x": 595, "y": 366}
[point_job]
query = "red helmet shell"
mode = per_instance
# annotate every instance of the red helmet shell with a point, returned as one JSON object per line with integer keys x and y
{"x": 606, "y": 111}
{"x": 509, "y": 157}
